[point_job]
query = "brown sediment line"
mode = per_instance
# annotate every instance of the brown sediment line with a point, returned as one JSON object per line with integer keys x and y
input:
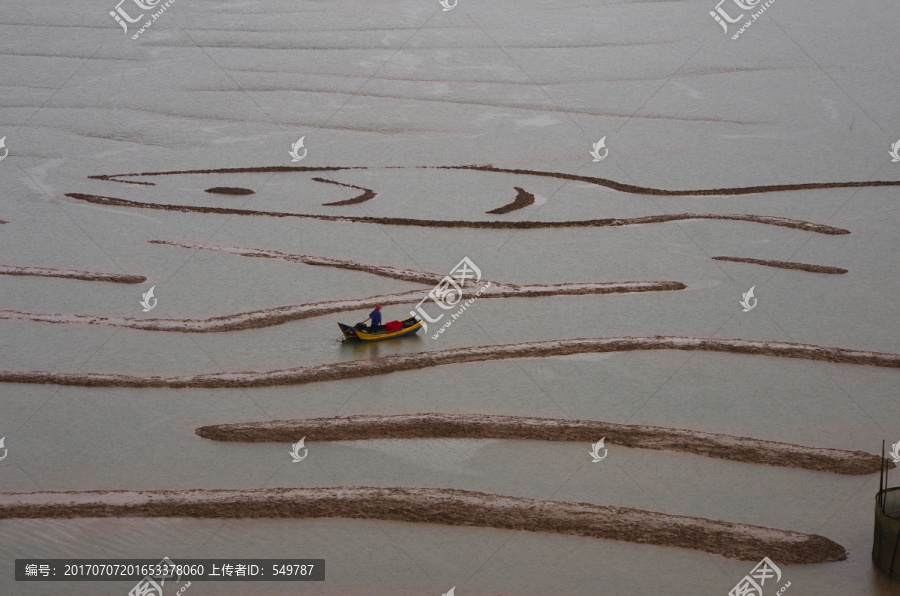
{"x": 365, "y": 196}
{"x": 277, "y": 316}
{"x": 118, "y": 278}
{"x": 643, "y": 190}
{"x": 3, "y": 221}
{"x": 229, "y": 190}
{"x": 784, "y": 265}
{"x": 438, "y": 506}
{"x": 433, "y": 223}
{"x": 523, "y": 199}
{"x": 402, "y": 362}
{"x": 480, "y": 426}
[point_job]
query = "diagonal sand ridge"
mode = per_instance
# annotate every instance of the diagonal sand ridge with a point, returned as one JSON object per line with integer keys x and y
{"x": 785, "y": 265}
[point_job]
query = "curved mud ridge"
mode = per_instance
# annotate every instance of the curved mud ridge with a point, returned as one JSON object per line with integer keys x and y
{"x": 284, "y": 314}
{"x": 401, "y": 362}
{"x": 644, "y": 190}
{"x": 785, "y": 265}
{"x": 119, "y": 278}
{"x": 605, "y": 182}
{"x": 224, "y": 190}
{"x": 523, "y": 199}
{"x": 479, "y": 426}
{"x": 438, "y": 506}
{"x": 436, "y": 223}
{"x": 365, "y": 196}
{"x": 255, "y": 170}
{"x": 412, "y": 275}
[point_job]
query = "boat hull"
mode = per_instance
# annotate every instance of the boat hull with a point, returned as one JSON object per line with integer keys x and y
{"x": 410, "y": 327}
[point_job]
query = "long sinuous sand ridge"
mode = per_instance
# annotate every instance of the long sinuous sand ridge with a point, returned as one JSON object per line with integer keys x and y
{"x": 495, "y": 225}
{"x": 403, "y": 362}
{"x": 279, "y": 315}
{"x": 484, "y": 426}
{"x": 438, "y": 506}
{"x": 605, "y": 182}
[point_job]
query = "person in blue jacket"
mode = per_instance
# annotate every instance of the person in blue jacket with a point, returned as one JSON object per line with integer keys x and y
{"x": 375, "y": 317}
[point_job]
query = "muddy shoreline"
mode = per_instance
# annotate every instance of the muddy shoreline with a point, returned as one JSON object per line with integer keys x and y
{"x": 438, "y": 506}
{"x": 403, "y": 362}
{"x": 479, "y": 426}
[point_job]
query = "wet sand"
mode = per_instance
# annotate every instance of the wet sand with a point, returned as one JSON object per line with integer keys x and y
{"x": 785, "y": 265}
{"x": 438, "y": 506}
{"x": 479, "y": 426}
{"x": 403, "y": 362}
{"x": 496, "y": 225}
{"x": 119, "y": 278}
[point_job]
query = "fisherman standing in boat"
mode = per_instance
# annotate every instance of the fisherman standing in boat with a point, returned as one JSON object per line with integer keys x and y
{"x": 375, "y": 317}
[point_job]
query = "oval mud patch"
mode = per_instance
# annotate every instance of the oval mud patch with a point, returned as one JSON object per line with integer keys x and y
{"x": 229, "y": 190}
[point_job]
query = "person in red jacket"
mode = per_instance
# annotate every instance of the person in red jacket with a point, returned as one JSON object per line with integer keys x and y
{"x": 375, "y": 317}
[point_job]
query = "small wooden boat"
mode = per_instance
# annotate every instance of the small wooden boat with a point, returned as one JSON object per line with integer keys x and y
{"x": 361, "y": 331}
